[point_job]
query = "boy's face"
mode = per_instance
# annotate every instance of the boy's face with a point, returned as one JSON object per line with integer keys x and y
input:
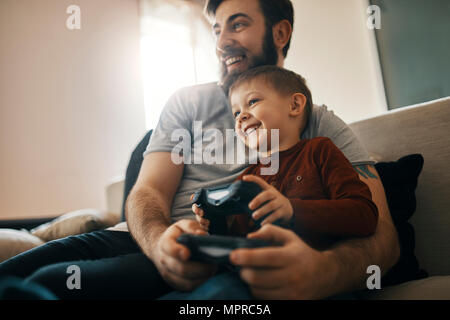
{"x": 241, "y": 38}
{"x": 255, "y": 106}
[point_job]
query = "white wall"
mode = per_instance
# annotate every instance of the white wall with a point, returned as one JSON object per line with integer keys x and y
{"x": 71, "y": 106}
{"x": 336, "y": 53}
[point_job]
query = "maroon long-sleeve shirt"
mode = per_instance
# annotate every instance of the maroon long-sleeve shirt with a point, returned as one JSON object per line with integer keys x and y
{"x": 328, "y": 198}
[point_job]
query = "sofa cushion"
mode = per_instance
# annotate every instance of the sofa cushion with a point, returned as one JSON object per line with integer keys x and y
{"x": 76, "y": 222}
{"x": 399, "y": 179}
{"x": 13, "y": 242}
{"x": 432, "y": 288}
{"x": 419, "y": 129}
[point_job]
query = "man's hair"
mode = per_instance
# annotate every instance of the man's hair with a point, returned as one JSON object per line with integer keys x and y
{"x": 284, "y": 81}
{"x": 273, "y": 11}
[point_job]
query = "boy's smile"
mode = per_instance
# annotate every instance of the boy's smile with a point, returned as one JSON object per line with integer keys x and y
{"x": 258, "y": 109}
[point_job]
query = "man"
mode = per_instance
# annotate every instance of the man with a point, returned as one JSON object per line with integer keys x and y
{"x": 248, "y": 34}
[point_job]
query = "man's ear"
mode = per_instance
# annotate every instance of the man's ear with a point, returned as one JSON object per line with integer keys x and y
{"x": 298, "y": 103}
{"x": 282, "y": 32}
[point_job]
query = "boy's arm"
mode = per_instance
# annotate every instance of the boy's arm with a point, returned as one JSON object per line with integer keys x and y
{"x": 296, "y": 271}
{"x": 349, "y": 211}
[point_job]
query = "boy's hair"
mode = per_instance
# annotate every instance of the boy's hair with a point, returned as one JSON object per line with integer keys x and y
{"x": 282, "y": 80}
{"x": 274, "y": 11}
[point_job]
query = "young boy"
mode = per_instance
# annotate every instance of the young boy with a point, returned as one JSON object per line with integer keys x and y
{"x": 316, "y": 191}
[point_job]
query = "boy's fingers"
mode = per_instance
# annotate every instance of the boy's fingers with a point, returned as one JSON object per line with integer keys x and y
{"x": 197, "y": 210}
{"x": 261, "y": 198}
{"x": 251, "y": 178}
{"x": 272, "y": 206}
{"x": 204, "y": 222}
{"x": 272, "y": 218}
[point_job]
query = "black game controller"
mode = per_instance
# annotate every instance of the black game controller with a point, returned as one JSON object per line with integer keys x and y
{"x": 222, "y": 201}
{"x": 216, "y": 249}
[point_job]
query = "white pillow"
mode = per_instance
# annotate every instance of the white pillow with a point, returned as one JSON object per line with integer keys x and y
{"x": 13, "y": 242}
{"x": 76, "y": 222}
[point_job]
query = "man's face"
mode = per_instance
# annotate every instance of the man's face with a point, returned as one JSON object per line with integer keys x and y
{"x": 242, "y": 41}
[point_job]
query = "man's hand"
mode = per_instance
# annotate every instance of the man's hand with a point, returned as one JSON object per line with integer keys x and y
{"x": 172, "y": 259}
{"x": 291, "y": 271}
{"x": 270, "y": 200}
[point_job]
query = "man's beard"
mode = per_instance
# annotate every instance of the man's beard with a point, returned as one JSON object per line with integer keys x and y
{"x": 269, "y": 55}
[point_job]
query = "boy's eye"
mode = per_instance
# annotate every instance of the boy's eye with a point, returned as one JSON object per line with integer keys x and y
{"x": 236, "y": 114}
{"x": 252, "y": 102}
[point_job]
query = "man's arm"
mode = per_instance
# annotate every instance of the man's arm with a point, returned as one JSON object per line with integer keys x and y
{"x": 296, "y": 271}
{"x": 148, "y": 204}
{"x": 148, "y": 216}
{"x": 381, "y": 249}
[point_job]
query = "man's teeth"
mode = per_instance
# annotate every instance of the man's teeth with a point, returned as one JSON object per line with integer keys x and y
{"x": 233, "y": 60}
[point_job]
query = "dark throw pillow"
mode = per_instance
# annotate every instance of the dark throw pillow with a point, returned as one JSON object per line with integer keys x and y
{"x": 399, "y": 179}
{"x": 134, "y": 166}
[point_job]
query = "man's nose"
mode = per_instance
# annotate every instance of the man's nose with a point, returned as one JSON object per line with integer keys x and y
{"x": 224, "y": 42}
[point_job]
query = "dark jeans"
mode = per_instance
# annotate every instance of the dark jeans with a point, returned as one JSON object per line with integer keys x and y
{"x": 110, "y": 263}
{"x": 224, "y": 286}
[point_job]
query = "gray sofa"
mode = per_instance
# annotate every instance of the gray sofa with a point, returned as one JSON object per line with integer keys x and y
{"x": 420, "y": 129}
{"x": 424, "y": 129}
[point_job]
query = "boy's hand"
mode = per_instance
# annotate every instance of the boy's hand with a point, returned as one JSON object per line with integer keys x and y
{"x": 278, "y": 205}
{"x": 199, "y": 213}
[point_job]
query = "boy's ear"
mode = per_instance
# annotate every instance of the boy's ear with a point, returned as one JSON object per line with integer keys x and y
{"x": 298, "y": 103}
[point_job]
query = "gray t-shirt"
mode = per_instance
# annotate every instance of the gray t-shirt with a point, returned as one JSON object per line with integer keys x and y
{"x": 207, "y": 103}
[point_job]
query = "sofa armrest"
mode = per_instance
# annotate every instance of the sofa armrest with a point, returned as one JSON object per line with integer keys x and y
{"x": 27, "y": 224}
{"x": 114, "y": 195}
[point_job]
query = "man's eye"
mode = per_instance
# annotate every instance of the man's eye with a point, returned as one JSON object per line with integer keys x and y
{"x": 237, "y": 26}
{"x": 252, "y": 102}
{"x": 236, "y": 114}
{"x": 216, "y": 33}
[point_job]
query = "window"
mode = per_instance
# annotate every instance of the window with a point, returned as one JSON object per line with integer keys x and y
{"x": 414, "y": 49}
{"x": 177, "y": 50}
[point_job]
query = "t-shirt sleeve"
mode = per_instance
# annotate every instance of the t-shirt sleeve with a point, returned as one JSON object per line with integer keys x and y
{"x": 175, "y": 120}
{"x": 324, "y": 123}
{"x": 349, "y": 209}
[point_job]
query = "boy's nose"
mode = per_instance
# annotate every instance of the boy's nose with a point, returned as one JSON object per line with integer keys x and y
{"x": 243, "y": 117}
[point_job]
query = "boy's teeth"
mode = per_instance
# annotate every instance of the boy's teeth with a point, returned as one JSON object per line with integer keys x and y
{"x": 249, "y": 131}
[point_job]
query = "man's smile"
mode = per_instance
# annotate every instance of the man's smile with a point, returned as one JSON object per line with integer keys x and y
{"x": 232, "y": 60}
